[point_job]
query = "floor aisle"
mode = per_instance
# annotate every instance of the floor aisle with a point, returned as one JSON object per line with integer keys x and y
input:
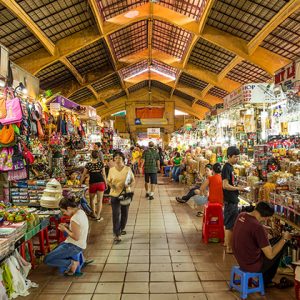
{"x": 161, "y": 257}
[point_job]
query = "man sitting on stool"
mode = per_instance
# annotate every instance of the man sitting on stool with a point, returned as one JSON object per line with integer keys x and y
{"x": 251, "y": 246}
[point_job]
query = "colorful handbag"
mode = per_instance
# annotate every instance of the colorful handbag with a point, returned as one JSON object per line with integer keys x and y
{"x": 7, "y": 135}
{"x": 13, "y": 112}
{"x": 6, "y": 159}
{"x": 17, "y": 159}
{"x": 28, "y": 155}
{"x": 2, "y": 107}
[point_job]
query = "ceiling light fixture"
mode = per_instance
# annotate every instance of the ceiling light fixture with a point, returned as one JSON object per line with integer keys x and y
{"x": 132, "y": 14}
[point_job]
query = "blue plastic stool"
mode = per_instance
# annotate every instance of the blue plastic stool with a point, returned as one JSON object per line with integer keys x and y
{"x": 241, "y": 284}
{"x": 78, "y": 257}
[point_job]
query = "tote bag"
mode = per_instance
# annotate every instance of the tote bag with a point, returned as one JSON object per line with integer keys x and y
{"x": 13, "y": 112}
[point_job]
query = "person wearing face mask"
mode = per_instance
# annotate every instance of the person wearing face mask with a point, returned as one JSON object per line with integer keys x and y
{"x": 117, "y": 181}
{"x": 75, "y": 243}
{"x": 196, "y": 190}
{"x": 252, "y": 249}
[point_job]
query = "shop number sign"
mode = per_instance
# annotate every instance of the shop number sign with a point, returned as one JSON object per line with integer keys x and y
{"x": 153, "y": 133}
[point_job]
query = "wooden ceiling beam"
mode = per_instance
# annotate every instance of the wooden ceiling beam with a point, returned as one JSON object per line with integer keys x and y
{"x": 265, "y": 59}
{"x": 199, "y": 73}
{"x": 100, "y": 24}
{"x": 119, "y": 104}
{"x": 40, "y": 59}
{"x": 17, "y": 10}
{"x": 289, "y": 8}
{"x": 69, "y": 88}
{"x": 98, "y": 96}
{"x": 73, "y": 70}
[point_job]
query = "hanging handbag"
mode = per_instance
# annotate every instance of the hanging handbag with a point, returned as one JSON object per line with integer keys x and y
{"x": 7, "y": 135}
{"x": 17, "y": 159}
{"x": 2, "y": 107}
{"x": 6, "y": 159}
{"x": 125, "y": 198}
{"x": 13, "y": 112}
{"x": 29, "y": 158}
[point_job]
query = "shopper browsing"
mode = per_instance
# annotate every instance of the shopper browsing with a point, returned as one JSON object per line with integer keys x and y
{"x": 151, "y": 164}
{"x": 75, "y": 243}
{"x": 117, "y": 181}
{"x": 97, "y": 184}
{"x": 251, "y": 246}
{"x": 231, "y": 195}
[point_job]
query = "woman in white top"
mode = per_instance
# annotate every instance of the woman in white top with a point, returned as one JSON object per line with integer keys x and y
{"x": 116, "y": 180}
{"x": 75, "y": 243}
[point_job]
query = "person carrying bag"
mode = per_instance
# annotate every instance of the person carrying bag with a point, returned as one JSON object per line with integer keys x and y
{"x": 120, "y": 179}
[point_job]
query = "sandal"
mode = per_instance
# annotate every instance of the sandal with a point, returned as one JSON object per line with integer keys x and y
{"x": 76, "y": 274}
{"x": 285, "y": 283}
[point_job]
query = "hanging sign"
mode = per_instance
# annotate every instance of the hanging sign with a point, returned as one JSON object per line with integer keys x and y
{"x": 153, "y": 133}
{"x": 288, "y": 75}
{"x": 251, "y": 93}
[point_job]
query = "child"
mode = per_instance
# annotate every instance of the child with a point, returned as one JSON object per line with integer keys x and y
{"x": 73, "y": 180}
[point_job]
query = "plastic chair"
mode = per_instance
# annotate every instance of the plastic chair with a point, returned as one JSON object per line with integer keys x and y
{"x": 78, "y": 257}
{"x": 241, "y": 283}
{"x": 213, "y": 222}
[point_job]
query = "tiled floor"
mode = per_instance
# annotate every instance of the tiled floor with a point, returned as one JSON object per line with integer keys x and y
{"x": 161, "y": 257}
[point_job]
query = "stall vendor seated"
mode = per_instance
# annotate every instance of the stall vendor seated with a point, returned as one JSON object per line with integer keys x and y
{"x": 252, "y": 249}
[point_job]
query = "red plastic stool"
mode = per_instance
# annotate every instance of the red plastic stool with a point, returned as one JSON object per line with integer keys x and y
{"x": 213, "y": 222}
{"x": 44, "y": 237}
{"x": 30, "y": 250}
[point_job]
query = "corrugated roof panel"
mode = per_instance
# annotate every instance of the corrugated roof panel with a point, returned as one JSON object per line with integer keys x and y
{"x": 243, "y": 18}
{"x": 54, "y": 75}
{"x": 58, "y": 19}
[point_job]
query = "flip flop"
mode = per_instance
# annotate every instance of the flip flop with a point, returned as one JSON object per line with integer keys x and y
{"x": 285, "y": 283}
{"x": 76, "y": 274}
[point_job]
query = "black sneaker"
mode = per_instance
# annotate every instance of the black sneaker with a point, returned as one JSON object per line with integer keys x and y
{"x": 123, "y": 232}
{"x": 151, "y": 197}
{"x": 147, "y": 195}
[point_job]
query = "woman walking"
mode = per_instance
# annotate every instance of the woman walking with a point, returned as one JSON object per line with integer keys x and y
{"x": 97, "y": 184}
{"x": 117, "y": 181}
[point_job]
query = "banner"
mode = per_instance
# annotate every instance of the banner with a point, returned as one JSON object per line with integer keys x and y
{"x": 288, "y": 75}
{"x": 251, "y": 93}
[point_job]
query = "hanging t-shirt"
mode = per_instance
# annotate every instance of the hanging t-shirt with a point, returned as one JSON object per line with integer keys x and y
{"x": 228, "y": 173}
{"x": 95, "y": 171}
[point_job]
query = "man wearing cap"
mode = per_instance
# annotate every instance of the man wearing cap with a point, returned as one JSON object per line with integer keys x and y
{"x": 151, "y": 164}
{"x": 231, "y": 195}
